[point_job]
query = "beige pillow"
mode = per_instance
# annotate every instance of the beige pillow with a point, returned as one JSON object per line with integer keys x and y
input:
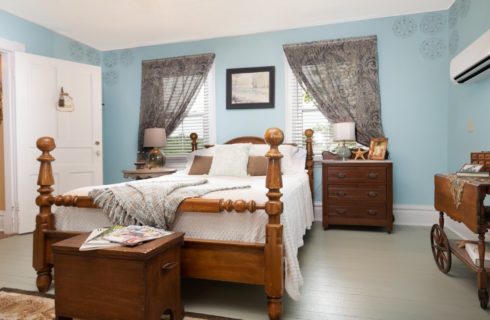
{"x": 257, "y": 166}
{"x": 200, "y": 165}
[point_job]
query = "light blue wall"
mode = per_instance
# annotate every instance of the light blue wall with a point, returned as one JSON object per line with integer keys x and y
{"x": 413, "y": 95}
{"x": 42, "y": 41}
{"x": 469, "y": 102}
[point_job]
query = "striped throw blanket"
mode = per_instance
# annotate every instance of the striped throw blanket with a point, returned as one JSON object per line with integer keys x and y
{"x": 152, "y": 202}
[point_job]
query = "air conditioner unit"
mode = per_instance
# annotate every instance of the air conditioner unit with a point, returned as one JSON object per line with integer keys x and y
{"x": 473, "y": 61}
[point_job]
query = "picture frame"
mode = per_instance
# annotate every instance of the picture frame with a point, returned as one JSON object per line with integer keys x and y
{"x": 378, "y": 148}
{"x": 250, "y": 88}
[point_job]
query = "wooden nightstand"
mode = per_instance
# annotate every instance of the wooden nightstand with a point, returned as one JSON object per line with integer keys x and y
{"x": 358, "y": 192}
{"x": 147, "y": 173}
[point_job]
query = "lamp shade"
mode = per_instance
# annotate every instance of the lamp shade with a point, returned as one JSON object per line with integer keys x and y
{"x": 344, "y": 131}
{"x": 154, "y": 138}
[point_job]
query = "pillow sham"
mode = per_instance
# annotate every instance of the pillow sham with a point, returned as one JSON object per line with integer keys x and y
{"x": 257, "y": 166}
{"x": 200, "y": 152}
{"x": 230, "y": 160}
{"x": 288, "y": 151}
{"x": 200, "y": 165}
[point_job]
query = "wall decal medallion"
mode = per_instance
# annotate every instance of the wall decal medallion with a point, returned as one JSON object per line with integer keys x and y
{"x": 433, "y": 23}
{"x": 93, "y": 56}
{"x": 464, "y": 8}
{"x": 126, "y": 57}
{"x": 432, "y": 48}
{"x": 404, "y": 27}
{"x": 110, "y": 77}
{"x": 76, "y": 50}
{"x": 453, "y": 14}
{"x": 110, "y": 59}
{"x": 453, "y": 42}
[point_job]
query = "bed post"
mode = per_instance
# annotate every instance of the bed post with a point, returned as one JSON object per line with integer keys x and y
{"x": 193, "y": 137}
{"x": 45, "y": 218}
{"x": 274, "y": 252}
{"x": 309, "y": 157}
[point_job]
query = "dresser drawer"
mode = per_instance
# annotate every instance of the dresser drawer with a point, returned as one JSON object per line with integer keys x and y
{"x": 374, "y": 193}
{"x": 356, "y": 175}
{"x": 371, "y": 212}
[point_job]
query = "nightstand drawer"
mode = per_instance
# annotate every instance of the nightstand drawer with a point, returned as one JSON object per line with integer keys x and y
{"x": 371, "y": 212}
{"x": 374, "y": 193}
{"x": 356, "y": 175}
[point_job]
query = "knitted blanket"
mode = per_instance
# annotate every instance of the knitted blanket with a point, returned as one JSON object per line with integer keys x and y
{"x": 151, "y": 202}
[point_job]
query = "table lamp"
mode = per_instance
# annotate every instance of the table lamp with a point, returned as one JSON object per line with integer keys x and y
{"x": 343, "y": 132}
{"x": 155, "y": 138}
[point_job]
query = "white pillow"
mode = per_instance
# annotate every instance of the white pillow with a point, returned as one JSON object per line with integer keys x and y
{"x": 200, "y": 152}
{"x": 230, "y": 160}
{"x": 288, "y": 152}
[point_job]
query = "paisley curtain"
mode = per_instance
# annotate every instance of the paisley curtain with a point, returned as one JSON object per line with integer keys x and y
{"x": 168, "y": 86}
{"x": 342, "y": 76}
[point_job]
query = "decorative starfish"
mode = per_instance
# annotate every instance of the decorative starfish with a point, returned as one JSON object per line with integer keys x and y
{"x": 360, "y": 154}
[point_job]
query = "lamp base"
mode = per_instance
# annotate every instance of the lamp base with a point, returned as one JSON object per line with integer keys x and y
{"x": 344, "y": 152}
{"x": 156, "y": 159}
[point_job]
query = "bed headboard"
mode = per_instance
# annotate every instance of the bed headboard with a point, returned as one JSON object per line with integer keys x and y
{"x": 258, "y": 140}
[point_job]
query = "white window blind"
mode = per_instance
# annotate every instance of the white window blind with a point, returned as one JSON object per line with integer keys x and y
{"x": 303, "y": 114}
{"x": 198, "y": 120}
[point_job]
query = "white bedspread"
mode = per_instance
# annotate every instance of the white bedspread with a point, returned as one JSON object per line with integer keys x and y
{"x": 229, "y": 226}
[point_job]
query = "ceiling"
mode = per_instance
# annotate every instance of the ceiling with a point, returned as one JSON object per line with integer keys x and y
{"x": 116, "y": 24}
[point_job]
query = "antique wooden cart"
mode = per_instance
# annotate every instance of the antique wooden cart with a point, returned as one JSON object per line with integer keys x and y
{"x": 462, "y": 200}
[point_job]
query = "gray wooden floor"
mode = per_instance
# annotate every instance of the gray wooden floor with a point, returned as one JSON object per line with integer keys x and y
{"x": 349, "y": 274}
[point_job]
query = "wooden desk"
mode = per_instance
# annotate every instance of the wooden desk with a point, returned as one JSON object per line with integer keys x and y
{"x": 470, "y": 211}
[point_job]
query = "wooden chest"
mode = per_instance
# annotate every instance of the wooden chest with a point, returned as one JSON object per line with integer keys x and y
{"x": 141, "y": 282}
{"x": 358, "y": 193}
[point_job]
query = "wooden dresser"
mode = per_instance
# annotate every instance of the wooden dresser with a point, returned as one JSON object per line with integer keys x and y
{"x": 358, "y": 192}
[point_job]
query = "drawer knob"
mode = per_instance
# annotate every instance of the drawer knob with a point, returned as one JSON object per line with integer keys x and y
{"x": 340, "y": 175}
{"x": 341, "y": 211}
{"x": 372, "y": 212}
{"x": 169, "y": 266}
{"x": 372, "y": 175}
{"x": 340, "y": 194}
{"x": 372, "y": 194}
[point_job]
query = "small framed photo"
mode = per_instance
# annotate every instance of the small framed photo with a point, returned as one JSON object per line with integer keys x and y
{"x": 377, "y": 148}
{"x": 250, "y": 88}
{"x": 471, "y": 168}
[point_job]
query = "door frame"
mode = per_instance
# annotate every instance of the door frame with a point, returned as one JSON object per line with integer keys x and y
{"x": 7, "y": 49}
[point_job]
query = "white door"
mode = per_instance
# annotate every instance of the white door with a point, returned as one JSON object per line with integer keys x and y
{"x": 77, "y": 134}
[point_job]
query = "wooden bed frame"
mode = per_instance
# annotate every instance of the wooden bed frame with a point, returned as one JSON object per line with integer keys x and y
{"x": 241, "y": 262}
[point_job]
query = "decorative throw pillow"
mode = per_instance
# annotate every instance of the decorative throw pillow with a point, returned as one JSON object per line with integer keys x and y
{"x": 230, "y": 160}
{"x": 200, "y": 165}
{"x": 287, "y": 152}
{"x": 257, "y": 166}
{"x": 200, "y": 152}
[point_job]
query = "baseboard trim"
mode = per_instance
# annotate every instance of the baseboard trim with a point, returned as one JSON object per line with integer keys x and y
{"x": 416, "y": 215}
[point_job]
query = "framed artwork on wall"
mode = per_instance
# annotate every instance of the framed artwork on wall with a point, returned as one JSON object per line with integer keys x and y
{"x": 250, "y": 88}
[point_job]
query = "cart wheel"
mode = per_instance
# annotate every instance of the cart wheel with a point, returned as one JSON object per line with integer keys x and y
{"x": 440, "y": 248}
{"x": 483, "y": 296}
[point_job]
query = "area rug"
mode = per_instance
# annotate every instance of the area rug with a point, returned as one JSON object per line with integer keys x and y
{"x": 21, "y": 304}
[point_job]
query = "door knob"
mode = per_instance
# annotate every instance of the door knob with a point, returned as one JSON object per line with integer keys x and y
{"x": 97, "y": 143}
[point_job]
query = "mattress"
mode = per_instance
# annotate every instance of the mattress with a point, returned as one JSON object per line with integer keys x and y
{"x": 228, "y": 226}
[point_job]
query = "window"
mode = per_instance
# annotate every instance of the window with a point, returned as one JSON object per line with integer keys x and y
{"x": 302, "y": 113}
{"x": 199, "y": 119}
